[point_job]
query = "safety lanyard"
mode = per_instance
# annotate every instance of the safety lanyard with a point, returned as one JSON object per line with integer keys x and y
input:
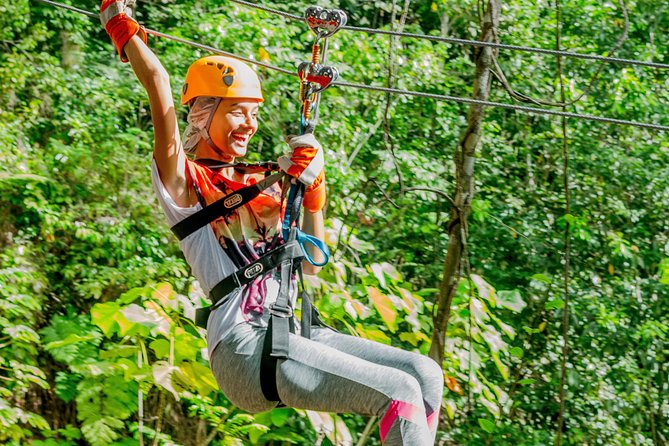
{"x": 315, "y": 77}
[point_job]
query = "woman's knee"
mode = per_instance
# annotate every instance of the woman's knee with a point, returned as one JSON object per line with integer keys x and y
{"x": 428, "y": 370}
{"x": 431, "y": 379}
{"x": 403, "y": 387}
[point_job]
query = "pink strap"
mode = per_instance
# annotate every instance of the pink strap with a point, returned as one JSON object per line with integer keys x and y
{"x": 399, "y": 409}
{"x": 433, "y": 419}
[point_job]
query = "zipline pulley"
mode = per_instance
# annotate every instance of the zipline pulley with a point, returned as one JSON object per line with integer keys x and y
{"x": 315, "y": 77}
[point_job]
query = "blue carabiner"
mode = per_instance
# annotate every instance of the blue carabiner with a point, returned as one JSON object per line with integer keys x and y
{"x": 303, "y": 238}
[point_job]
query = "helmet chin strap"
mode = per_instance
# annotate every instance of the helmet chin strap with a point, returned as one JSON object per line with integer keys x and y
{"x": 205, "y": 131}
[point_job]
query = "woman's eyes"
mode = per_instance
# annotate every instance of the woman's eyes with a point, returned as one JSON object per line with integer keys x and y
{"x": 241, "y": 114}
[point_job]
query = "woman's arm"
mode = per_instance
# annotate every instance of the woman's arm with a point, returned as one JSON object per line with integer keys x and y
{"x": 312, "y": 223}
{"x": 130, "y": 38}
{"x": 167, "y": 152}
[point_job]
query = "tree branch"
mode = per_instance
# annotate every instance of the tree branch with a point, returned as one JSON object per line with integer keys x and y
{"x": 464, "y": 176}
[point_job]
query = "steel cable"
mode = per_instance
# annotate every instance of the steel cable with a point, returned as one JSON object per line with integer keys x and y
{"x": 457, "y": 41}
{"x": 439, "y": 97}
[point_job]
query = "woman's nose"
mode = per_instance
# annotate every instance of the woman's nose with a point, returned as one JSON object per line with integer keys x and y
{"x": 249, "y": 120}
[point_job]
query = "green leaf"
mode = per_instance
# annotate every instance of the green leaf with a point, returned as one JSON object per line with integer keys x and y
{"x": 161, "y": 348}
{"x": 101, "y": 431}
{"x": 256, "y": 431}
{"x": 103, "y": 315}
{"x": 372, "y": 333}
{"x": 542, "y": 278}
{"x": 555, "y": 304}
{"x": 198, "y": 377}
{"x": 414, "y": 337}
{"x": 517, "y": 352}
{"x": 280, "y": 416}
{"x": 427, "y": 292}
{"x": 66, "y": 385}
{"x": 132, "y": 295}
{"x": 487, "y": 425}
{"x": 664, "y": 271}
{"x": 503, "y": 369}
{"x": 187, "y": 347}
{"x": 70, "y": 339}
{"x": 479, "y": 311}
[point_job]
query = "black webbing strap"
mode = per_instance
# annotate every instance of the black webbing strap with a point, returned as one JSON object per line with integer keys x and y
{"x": 222, "y": 207}
{"x": 264, "y": 265}
{"x": 275, "y": 346}
{"x": 307, "y": 309}
{"x": 243, "y": 168}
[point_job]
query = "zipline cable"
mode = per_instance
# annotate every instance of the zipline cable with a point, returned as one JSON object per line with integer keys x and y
{"x": 439, "y": 97}
{"x": 457, "y": 41}
{"x": 522, "y": 108}
{"x": 177, "y": 39}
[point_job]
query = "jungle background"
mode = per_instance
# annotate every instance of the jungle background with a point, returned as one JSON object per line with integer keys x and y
{"x": 97, "y": 344}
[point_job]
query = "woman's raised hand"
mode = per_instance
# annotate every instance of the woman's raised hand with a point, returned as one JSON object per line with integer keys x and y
{"x": 119, "y": 25}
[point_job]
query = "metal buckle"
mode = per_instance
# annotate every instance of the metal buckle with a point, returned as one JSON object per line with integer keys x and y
{"x": 283, "y": 312}
{"x": 239, "y": 284}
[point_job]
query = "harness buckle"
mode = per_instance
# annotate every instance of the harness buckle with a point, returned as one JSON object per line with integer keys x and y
{"x": 280, "y": 311}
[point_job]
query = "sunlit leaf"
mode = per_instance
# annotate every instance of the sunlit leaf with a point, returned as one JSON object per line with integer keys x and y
{"x": 384, "y": 306}
{"x": 511, "y": 300}
{"x": 162, "y": 375}
{"x": 377, "y": 270}
{"x": 485, "y": 290}
{"x": 103, "y": 315}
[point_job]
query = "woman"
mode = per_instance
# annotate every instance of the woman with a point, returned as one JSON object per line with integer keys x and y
{"x": 330, "y": 372}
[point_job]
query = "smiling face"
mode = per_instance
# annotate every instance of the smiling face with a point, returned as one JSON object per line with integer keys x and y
{"x": 235, "y": 122}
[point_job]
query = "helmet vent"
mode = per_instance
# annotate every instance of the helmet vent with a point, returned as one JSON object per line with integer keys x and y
{"x": 228, "y": 80}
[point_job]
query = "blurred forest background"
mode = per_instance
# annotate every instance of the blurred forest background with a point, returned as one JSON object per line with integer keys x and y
{"x": 97, "y": 345}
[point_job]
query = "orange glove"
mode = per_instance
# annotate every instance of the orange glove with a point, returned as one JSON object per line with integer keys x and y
{"x": 314, "y": 196}
{"x": 119, "y": 25}
{"x": 306, "y": 163}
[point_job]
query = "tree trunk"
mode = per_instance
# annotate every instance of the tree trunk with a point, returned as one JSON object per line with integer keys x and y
{"x": 464, "y": 177}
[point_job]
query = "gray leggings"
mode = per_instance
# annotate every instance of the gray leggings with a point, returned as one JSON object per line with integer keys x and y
{"x": 333, "y": 372}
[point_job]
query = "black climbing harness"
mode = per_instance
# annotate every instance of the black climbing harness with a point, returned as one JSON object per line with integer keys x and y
{"x": 287, "y": 257}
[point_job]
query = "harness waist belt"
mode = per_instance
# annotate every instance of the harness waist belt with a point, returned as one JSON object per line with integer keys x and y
{"x": 262, "y": 266}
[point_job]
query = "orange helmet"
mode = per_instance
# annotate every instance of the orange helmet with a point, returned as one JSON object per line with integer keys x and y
{"x": 221, "y": 77}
